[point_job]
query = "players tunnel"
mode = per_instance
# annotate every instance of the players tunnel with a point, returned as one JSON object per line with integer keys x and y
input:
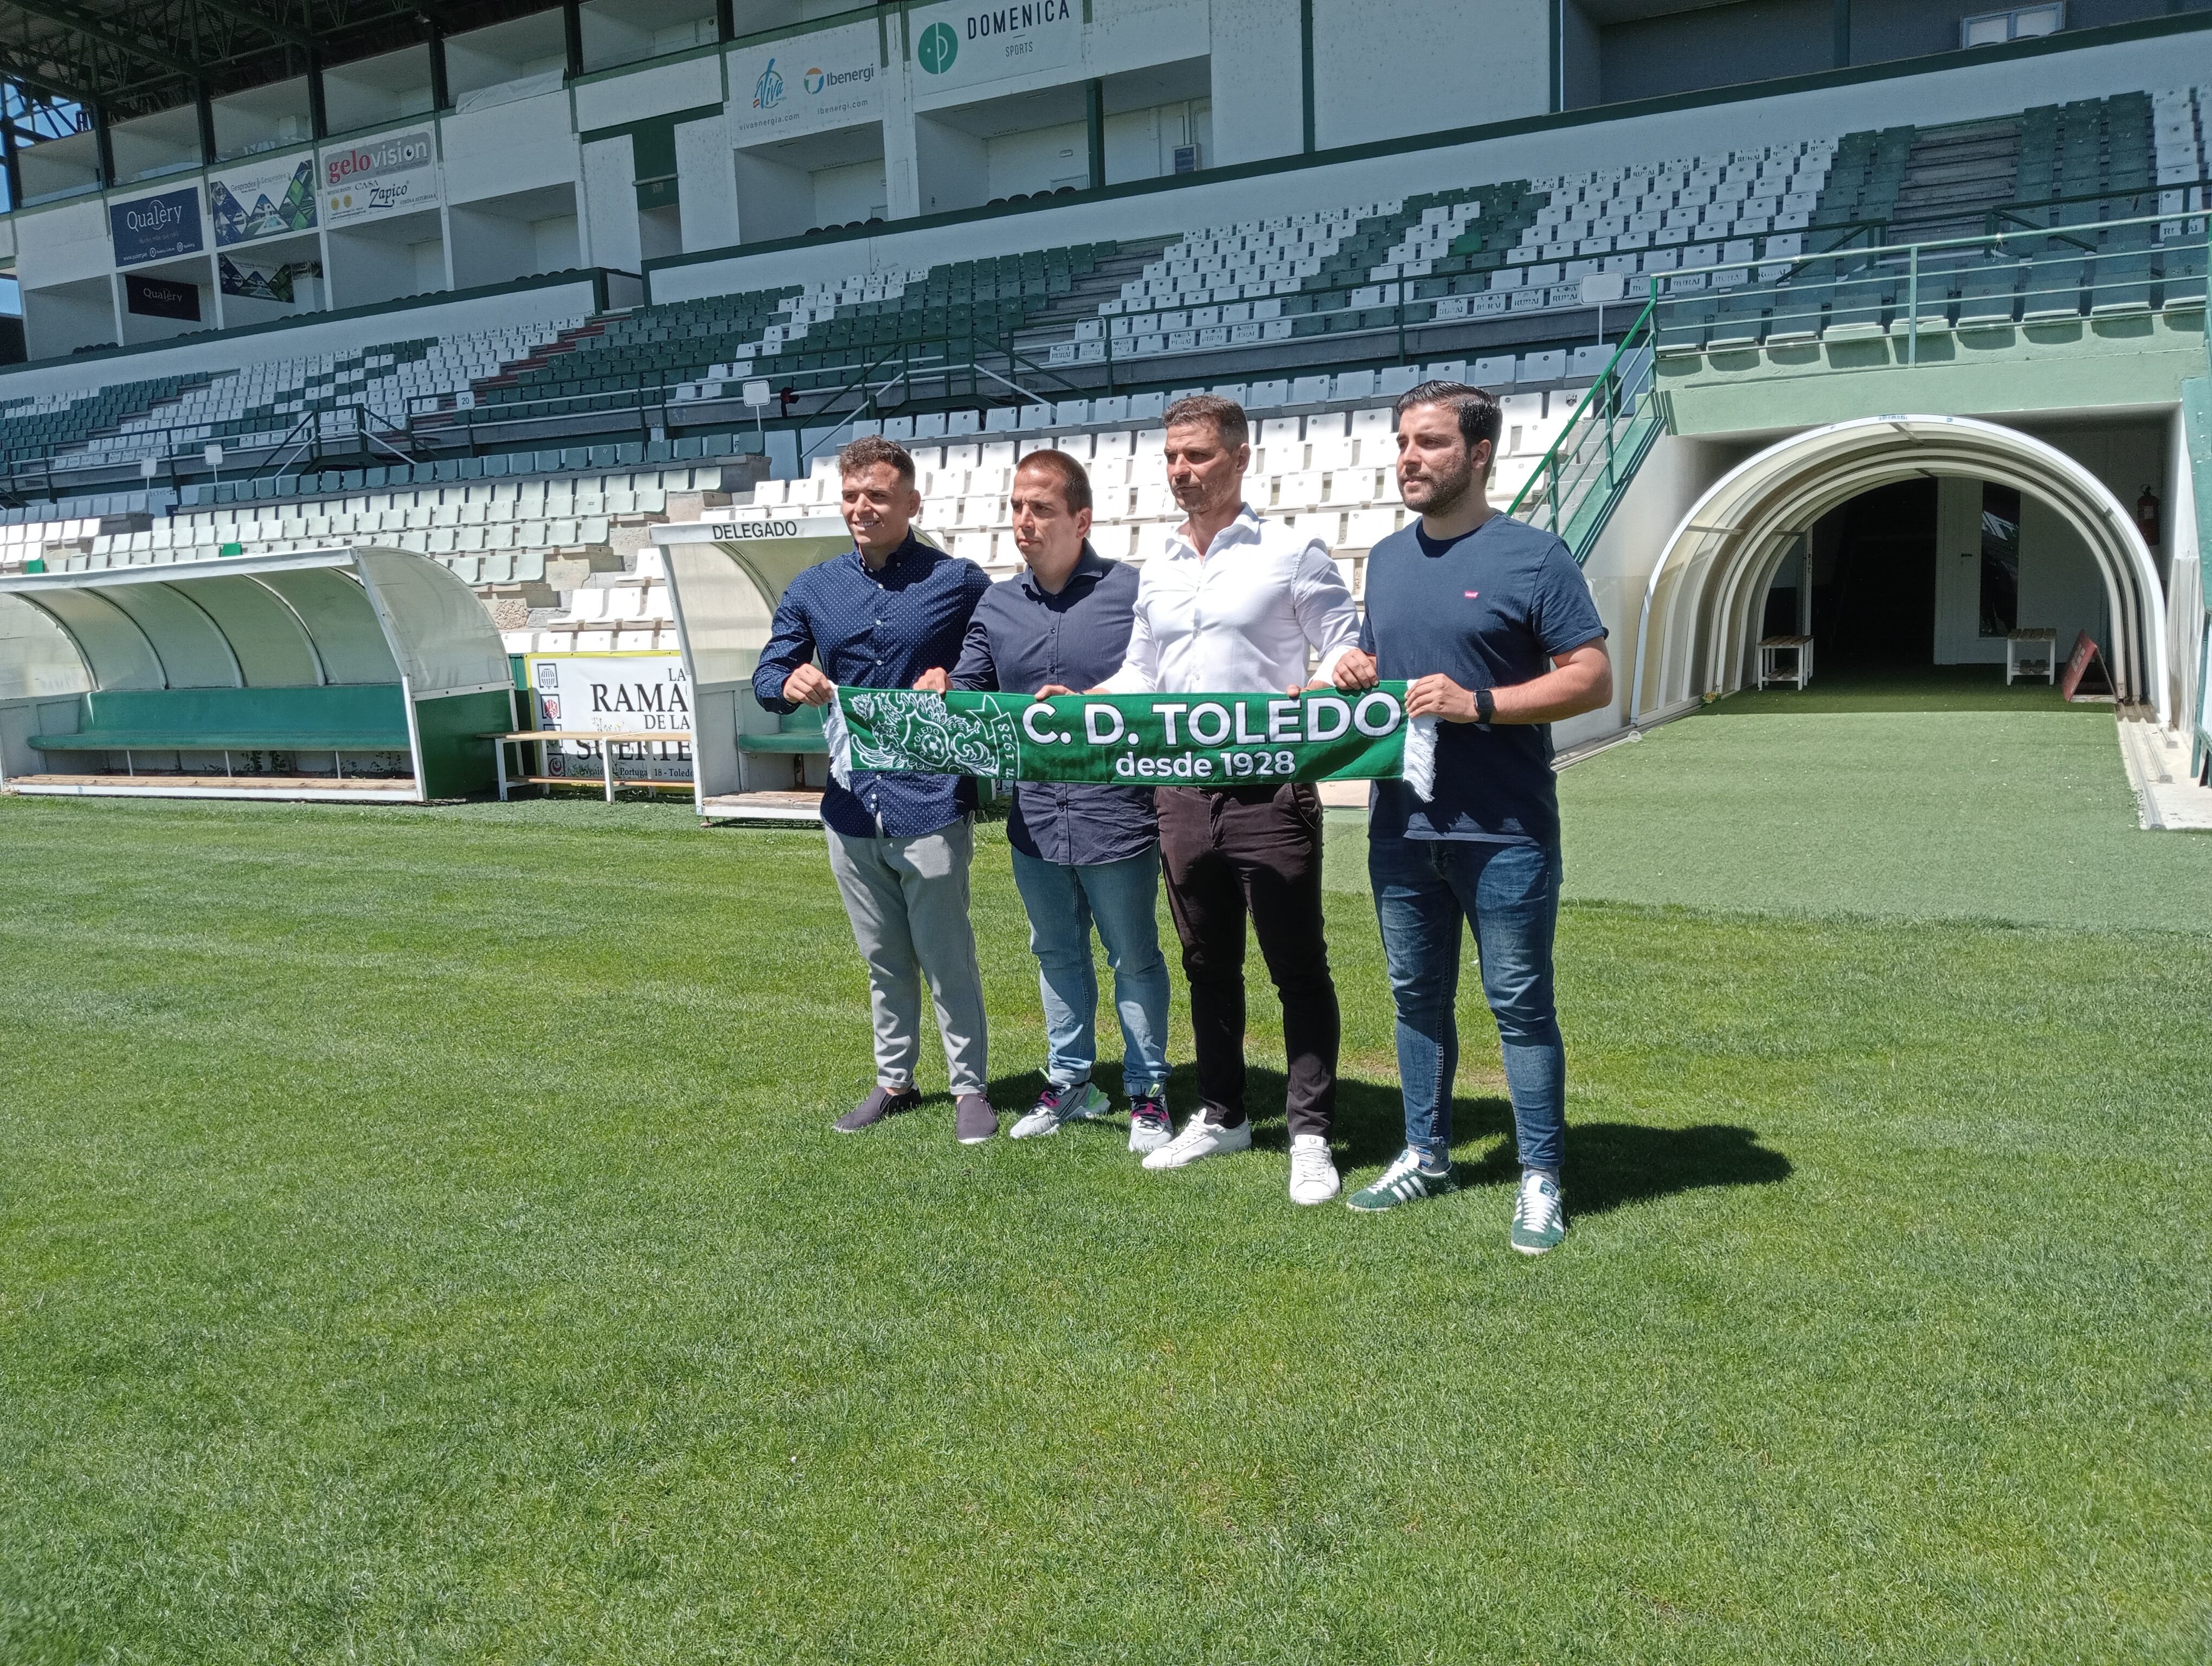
{"x": 1839, "y": 532}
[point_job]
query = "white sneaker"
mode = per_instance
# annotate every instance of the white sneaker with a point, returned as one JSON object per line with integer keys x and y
{"x": 1539, "y": 1216}
{"x": 1150, "y": 1126}
{"x": 1200, "y": 1138}
{"x": 1057, "y": 1105}
{"x": 1313, "y": 1172}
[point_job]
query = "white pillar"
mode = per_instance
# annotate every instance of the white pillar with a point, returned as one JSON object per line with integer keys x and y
{"x": 706, "y": 183}
{"x": 902, "y": 167}
{"x": 610, "y": 205}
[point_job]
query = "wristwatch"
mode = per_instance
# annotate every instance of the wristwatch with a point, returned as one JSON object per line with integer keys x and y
{"x": 1485, "y": 707}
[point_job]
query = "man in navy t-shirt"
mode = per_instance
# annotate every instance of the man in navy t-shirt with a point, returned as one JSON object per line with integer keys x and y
{"x": 1489, "y": 620}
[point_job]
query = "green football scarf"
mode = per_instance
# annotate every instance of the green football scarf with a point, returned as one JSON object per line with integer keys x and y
{"x": 1135, "y": 739}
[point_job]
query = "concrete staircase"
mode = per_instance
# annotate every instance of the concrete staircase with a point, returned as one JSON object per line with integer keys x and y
{"x": 1952, "y": 178}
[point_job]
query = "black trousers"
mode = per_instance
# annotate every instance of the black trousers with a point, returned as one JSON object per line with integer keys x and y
{"x": 1228, "y": 852}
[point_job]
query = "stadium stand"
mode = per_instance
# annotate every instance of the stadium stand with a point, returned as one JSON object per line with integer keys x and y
{"x": 1500, "y": 250}
{"x": 535, "y": 462}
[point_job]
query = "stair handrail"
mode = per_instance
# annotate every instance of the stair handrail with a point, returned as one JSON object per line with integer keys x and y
{"x": 1637, "y": 347}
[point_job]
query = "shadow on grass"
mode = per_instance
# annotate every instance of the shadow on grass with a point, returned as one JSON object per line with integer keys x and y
{"x": 1607, "y": 1164}
{"x": 1928, "y": 689}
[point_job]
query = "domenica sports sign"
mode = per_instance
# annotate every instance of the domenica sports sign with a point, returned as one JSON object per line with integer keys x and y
{"x": 1135, "y": 739}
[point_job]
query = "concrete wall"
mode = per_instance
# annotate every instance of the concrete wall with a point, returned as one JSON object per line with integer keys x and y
{"x": 1715, "y": 46}
{"x": 1391, "y": 72}
{"x": 1257, "y": 99}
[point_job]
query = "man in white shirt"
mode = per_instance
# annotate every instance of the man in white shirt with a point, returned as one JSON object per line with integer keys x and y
{"x": 1235, "y": 605}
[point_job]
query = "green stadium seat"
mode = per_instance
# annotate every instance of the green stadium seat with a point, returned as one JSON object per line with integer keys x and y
{"x": 2053, "y": 288}
{"x": 797, "y": 732}
{"x": 2183, "y": 271}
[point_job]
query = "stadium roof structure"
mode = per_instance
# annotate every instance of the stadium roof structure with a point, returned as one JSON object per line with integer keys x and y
{"x": 132, "y": 58}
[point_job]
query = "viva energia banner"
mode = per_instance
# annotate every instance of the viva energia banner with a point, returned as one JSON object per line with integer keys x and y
{"x": 1135, "y": 739}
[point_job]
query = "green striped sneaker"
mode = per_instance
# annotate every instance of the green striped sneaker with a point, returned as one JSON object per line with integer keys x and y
{"x": 1539, "y": 1217}
{"x": 1404, "y": 1181}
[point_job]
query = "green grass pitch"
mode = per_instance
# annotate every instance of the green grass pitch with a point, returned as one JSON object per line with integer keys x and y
{"x": 421, "y": 1240}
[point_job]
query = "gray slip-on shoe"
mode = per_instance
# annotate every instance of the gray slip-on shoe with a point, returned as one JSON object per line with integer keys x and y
{"x": 975, "y": 1121}
{"x": 882, "y": 1102}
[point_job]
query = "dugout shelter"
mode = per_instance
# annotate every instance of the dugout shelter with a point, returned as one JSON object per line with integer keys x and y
{"x": 725, "y": 578}
{"x": 356, "y": 675}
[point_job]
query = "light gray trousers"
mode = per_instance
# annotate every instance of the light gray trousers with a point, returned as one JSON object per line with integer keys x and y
{"x": 908, "y": 901}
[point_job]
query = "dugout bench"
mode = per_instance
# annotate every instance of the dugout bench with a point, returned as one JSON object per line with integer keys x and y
{"x": 725, "y": 578}
{"x": 349, "y": 675}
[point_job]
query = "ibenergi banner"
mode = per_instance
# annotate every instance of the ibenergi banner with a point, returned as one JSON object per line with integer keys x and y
{"x": 1135, "y": 739}
{"x": 804, "y": 83}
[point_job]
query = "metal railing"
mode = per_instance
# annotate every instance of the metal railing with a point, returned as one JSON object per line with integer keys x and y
{"x": 2040, "y": 275}
{"x": 1580, "y": 479}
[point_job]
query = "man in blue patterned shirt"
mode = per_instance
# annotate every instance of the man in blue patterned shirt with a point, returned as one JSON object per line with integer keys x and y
{"x": 900, "y": 845}
{"x": 1083, "y": 855}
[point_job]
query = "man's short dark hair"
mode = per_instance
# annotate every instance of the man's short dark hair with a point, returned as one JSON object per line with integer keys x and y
{"x": 870, "y": 449}
{"x": 1226, "y": 415}
{"x": 1074, "y": 481}
{"x": 1480, "y": 418}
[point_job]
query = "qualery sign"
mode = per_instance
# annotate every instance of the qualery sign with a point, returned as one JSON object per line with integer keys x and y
{"x": 378, "y": 178}
{"x": 158, "y": 228}
{"x": 274, "y": 200}
{"x": 805, "y": 83}
{"x": 964, "y": 43}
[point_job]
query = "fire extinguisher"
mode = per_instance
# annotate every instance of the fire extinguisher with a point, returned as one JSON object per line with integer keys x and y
{"x": 2146, "y": 517}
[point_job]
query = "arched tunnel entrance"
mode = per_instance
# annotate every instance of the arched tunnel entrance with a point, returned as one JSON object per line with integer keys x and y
{"x": 1897, "y": 542}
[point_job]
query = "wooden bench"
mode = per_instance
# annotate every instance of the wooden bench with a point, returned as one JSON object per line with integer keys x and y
{"x": 606, "y": 743}
{"x": 1771, "y": 650}
{"x": 2026, "y": 647}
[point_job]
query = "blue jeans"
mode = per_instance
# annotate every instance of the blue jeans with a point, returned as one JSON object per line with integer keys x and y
{"x": 1424, "y": 888}
{"x": 1063, "y": 903}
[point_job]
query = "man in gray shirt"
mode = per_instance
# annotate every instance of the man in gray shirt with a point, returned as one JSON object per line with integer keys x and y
{"x": 1082, "y": 854}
